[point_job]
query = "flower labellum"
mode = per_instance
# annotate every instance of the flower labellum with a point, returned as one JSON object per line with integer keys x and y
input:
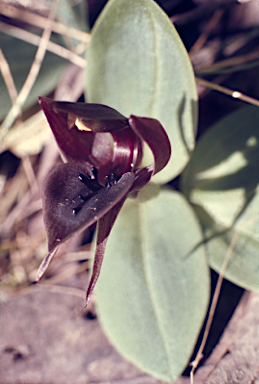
{"x": 102, "y": 151}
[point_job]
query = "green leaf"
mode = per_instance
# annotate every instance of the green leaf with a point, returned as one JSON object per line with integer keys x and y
{"x": 243, "y": 265}
{"x": 138, "y": 65}
{"x": 222, "y": 180}
{"x": 73, "y": 14}
{"x": 20, "y": 56}
{"x": 154, "y": 286}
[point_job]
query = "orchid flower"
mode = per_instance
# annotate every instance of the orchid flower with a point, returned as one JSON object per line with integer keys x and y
{"x": 102, "y": 151}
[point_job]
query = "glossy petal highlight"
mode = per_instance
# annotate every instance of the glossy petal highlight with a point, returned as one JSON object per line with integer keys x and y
{"x": 152, "y": 132}
{"x": 95, "y": 117}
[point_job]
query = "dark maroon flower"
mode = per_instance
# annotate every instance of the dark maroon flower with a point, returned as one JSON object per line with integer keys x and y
{"x": 102, "y": 151}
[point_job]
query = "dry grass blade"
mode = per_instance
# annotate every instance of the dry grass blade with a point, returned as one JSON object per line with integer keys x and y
{"x": 55, "y": 289}
{"x": 208, "y": 29}
{"x": 13, "y": 113}
{"x": 232, "y": 62}
{"x": 31, "y": 38}
{"x": 8, "y": 78}
{"x": 215, "y": 298}
{"x": 214, "y": 304}
{"x": 202, "y": 10}
{"x": 227, "y": 91}
{"x": 40, "y": 21}
{"x": 16, "y": 187}
{"x": 69, "y": 272}
{"x": 30, "y": 173}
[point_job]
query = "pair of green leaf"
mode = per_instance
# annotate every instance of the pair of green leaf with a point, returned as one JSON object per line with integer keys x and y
{"x": 154, "y": 286}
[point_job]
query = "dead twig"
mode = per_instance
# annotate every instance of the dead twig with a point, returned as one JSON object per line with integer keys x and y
{"x": 227, "y": 91}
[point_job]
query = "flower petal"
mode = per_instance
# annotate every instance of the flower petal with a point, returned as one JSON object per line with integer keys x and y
{"x": 44, "y": 265}
{"x": 142, "y": 177}
{"x": 89, "y": 117}
{"x": 82, "y": 132}
{"x": 152, "y": 132}
{"x": 74, "y": 144}
{"x": 73, "y": 200}
{"x": 127, "y": 151}
{"x": 104, "y": 227}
